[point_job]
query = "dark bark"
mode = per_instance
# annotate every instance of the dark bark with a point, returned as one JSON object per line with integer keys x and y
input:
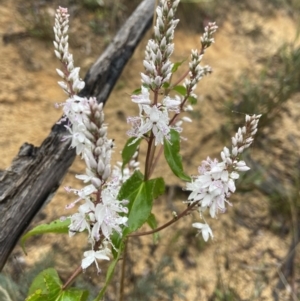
{"x": 36, "y": 172}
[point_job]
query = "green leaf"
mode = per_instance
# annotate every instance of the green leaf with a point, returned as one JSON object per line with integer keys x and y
{"x": 109, "y": 274}
{"x": 192, "y": 100}
{"x": 180, "y": 89}
{"x": 137, "y": 91}
{"x": 39, "y": 283}
{"x": 47, "y": 286}
{"x": 37, "y": 296}
{"x": 128, "y": 189}
{"x": 156, "y": 187}
{"x": 129, "y": 150}
{"x": 176, "y": 65}
{"x": 166, "y": 85}
{"x": 140, "y": 195}
{"x": 173, "y": 157}
{"x": 56, "y": 226}
{"x": 53, "y": 285}
{"x": 152, "y": 222}
{"x": 73, "y": 294}
{"x": 141, "y": 205}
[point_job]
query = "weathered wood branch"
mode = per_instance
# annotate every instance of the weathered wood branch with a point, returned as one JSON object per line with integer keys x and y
{"x": 36, "y": 172}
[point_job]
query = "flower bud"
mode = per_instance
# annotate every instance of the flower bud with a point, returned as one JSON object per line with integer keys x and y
{"x": 106, "y": 172}
{"x": 100, "y": 167}
{"x": 100, "y": 141}
{"x": 96, "y": 182}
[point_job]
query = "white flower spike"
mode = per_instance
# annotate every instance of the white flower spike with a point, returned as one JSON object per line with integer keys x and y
{"x": 212, "y": 188}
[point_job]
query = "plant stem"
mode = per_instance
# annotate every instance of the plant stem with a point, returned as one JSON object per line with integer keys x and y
{"x": 181, "y": 78}
{"x": 122, "y": 281}
{"x": 172, "y": 221}
{"x": 156, "y": 160}
{"x": 72, "y": 278}
{"x": 151, "y": 147}
{"x": 149, "y": 157}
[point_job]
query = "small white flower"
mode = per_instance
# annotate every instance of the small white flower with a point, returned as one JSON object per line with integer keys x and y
{"x": 107, "y": 215}
{"x": 172, "y": 104}
{"x": 87, "y": 177}
{"x": 92, "y": 256}
{"x": 186, "y": 119}
{"x": 153, "y": 118}
{"x": 241, "y": 166}
{"x": 81, "y": 220}
{"x": 204, "y": 229}
{"x": 87, "y": 190}
{"x": 158, "y": 121}
{"x": 142, "y": 98}
{"x": 77, "y": 134}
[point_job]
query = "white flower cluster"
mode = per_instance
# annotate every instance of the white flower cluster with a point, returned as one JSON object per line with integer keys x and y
{"x": 196, "y": 70}
{"x": 158, "y": 51}
{"x": 101, "y": 213}
{"x": 154, "y": 116}
{"x": 207, "y": 38}
{"x": 213, "y": 186}
{"x": 72, "y": 84}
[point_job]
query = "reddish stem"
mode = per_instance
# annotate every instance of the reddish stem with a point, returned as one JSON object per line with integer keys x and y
{"x": 72, "y": 278}
{"x": 179, "y": 216}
